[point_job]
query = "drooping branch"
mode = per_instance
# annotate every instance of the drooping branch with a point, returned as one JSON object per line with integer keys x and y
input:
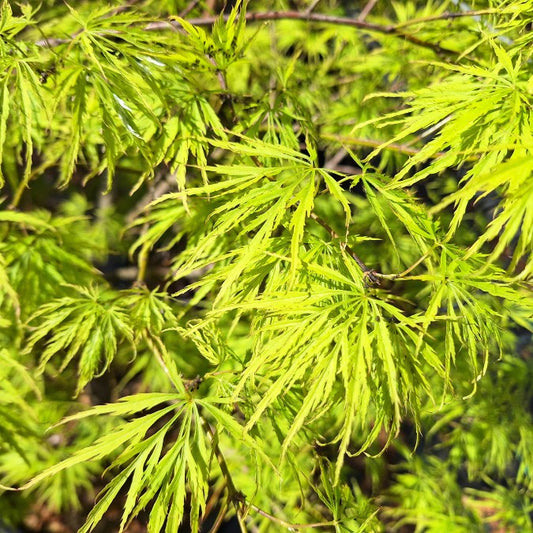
{"x": 396, "y": 30}
{"x": 390, "y": 29}
{"x": 447, "y": 16}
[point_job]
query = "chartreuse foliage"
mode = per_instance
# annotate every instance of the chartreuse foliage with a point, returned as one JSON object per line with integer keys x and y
{"x": 251, "y": 257}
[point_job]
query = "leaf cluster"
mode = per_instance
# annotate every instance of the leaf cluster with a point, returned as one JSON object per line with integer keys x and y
{"x": 251, "y": 255}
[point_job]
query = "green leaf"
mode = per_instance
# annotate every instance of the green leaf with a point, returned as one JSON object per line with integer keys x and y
{"x": 88, "y": 325}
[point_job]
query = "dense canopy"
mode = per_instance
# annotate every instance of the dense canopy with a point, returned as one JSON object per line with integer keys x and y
{"x": 266, "y": 263}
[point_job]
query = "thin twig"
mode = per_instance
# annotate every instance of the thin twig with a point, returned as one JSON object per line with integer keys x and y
{"x": 120, "y": 9}
{"x": 405, "y": 272}
{"x": 314, "y": 17}
{"x": 220, "y": 75}
{"x": 413, "y": 266}
{"x": 143, "y": 257}
{"x": 189, "y": 8}
{"x": 367, "y": 9}
{"x": 236, "y": 497}
{"x": 371, "y": 274}
{"x": 372, "y": 143}
{"x": 52, "y": 42}
{"x": 391, "y": 29}
{"x": 312, "y": 6}
{"x": 288, "y": 525}
{"x": 333, "y": 162}
{"x": 446, "y": 16}
{"x": 160, "y": 187}
{"x": 349, "y": 170}
{"x": 399, "y": 148}
{"x": 211, "y": 503}
{"x": 220, "y": 518}
{"x": 158, "y": 349}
